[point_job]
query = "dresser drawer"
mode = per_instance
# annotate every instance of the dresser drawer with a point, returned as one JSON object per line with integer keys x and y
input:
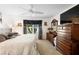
{"x": 66, "y": 45}
{"x": 58, "y": 49}
{"x": 66, "y": 39}
{"x": 64, "y": 34}
{"x": 64, "y": 42}
{"x": 63, "y": 51}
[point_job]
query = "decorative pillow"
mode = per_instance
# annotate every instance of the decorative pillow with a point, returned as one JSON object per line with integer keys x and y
{"x": 2, "y": 38}
{"x": 46, "y": 48}
{"x": 12, "y": 35}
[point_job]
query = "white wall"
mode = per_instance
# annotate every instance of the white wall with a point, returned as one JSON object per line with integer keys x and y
{"x": 7, "y": 19}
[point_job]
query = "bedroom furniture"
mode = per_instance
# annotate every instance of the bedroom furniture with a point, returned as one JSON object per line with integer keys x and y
{"x": 50, "y": 36}
{"x": 67, "y": 41}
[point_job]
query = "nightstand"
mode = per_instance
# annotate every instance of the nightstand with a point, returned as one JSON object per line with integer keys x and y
{"x": 50, "y": 36}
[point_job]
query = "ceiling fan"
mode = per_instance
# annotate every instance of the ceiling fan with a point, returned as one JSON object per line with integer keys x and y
{"x": 31, "y": 10}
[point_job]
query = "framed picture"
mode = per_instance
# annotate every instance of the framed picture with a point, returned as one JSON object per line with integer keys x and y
{"x": 45, "y": 23}
{"x": 19, "y": 24}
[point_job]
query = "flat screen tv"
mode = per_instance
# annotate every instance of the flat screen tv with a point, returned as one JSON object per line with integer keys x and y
{"x": 65, "y": 17}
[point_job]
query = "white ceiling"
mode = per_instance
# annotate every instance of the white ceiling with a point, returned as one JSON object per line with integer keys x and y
{"x": 22, "y": 9}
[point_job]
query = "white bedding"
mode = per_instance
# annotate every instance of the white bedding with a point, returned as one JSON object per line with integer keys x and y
{"x": 21, "y": 45}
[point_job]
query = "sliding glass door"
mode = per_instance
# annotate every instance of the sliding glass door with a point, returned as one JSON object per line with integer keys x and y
{"x": 33, "y": 27}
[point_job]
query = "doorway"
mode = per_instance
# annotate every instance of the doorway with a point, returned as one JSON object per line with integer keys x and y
{"x": 33, "y": 27}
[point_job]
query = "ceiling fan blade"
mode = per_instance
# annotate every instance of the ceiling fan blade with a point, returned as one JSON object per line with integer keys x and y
{"x": 33, "y": 11}
{"x": 37, "y": 12}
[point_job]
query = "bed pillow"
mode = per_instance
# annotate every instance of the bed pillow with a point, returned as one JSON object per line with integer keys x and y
{"x": 46, "y": 48}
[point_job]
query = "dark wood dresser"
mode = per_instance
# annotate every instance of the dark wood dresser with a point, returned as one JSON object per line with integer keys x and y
{"x": 67, "y": 41}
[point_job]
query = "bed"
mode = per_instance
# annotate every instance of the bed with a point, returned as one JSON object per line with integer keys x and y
{"x": 21, "y": 45}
